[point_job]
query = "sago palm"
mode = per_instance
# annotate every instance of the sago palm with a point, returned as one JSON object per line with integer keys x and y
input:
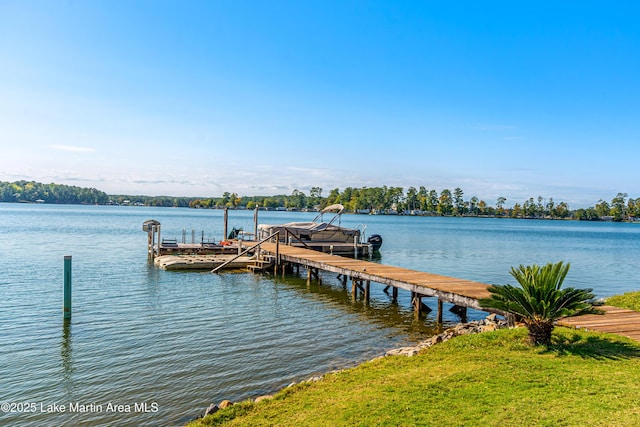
{"x": 539, "y": 302}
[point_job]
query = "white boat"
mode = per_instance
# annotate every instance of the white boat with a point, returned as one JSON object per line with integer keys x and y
{"x": 324, "y": 236}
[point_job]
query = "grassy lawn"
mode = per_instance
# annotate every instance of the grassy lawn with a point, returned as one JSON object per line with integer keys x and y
{"x": 630, "y": 300}
{"x": 489, "y": 379}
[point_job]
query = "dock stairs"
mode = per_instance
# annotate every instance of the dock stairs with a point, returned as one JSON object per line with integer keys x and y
{"x": 263, "y": 262}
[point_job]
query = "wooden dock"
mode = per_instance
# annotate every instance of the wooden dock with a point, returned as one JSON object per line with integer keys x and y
{"x": 459, "y": 292}
{"x": 615, "y": 320}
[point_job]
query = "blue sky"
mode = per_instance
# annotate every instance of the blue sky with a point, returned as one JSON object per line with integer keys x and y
{"x": 514, "y": 99}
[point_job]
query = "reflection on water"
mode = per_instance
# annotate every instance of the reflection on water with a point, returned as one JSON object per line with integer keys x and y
{"x": 66, "y": 357}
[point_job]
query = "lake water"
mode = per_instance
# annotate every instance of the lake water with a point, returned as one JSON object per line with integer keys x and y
{"x": 150, "y": 347}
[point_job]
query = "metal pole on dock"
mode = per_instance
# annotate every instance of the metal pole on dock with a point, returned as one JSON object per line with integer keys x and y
{"x": 255, "y": 224}
{"x": 355, "y": 247}
{"x": 226, "y": 219}
{"x": 66, "y": 309}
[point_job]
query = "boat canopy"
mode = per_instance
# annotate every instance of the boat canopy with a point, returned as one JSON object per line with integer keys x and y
{"x": 338, "y": 208}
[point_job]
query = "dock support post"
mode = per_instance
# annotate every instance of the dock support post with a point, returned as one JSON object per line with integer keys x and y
{"x": 417, "y": 303}
{"x": 159, "y": 241}
{"x": 439, "y": 321}
{"x": 367, "y": 288}
{"x": 150, "y": 238}
{"x": 354, "y": 288}
{"x": 308, "y": 275}
{"x": 395, "y": 294}
{"x": 66, "y": 309}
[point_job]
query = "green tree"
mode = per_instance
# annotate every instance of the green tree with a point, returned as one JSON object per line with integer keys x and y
{"x": 458, "y": 201}
{"x": 422, "y": 198}
{"x": 539, "y": 301}
{"x": 602, "y": 208}
{"x": 482, "y": 206}
{"x": 561, "y": 210}
{"x": 550, "y": 206}
{"x": 412, "y": 201}
{"x": 540, "y": 206}
{"x": 445, "y": 202}
{"x": 432, "y": 201}
{"x": 634, "y": 207}
{"x": 334, "y": 197}
{"x": 516, "y": 212}
{"x": 473, "y": 205}
{"x": 315, "y": 197}
{"x": 500, "y": 205}
{"x": 619, "y": 207}
{"x": 297, "y": 200}
{"x": 529, "y": 208}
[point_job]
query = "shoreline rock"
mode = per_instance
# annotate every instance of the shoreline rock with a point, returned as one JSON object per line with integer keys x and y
{"x": 490, "y": 323}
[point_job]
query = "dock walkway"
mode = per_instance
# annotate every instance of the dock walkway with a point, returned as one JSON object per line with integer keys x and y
{"x": 615, "y": 320}
{"x": 460, "y": 292}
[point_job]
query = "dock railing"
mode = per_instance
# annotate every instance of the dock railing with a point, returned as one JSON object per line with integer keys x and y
{"x": 292, "y": 234}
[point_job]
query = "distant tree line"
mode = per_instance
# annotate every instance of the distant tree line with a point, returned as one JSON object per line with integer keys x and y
{"x": 382, "y": 200}
{"x": 35, "y": 192}
{"x": 423, "y": 201}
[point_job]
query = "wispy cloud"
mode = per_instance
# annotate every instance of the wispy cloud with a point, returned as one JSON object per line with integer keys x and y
{"x": 72, "y": 148}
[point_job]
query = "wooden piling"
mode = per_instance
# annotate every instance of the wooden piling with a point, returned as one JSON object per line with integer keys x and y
{"x": 66, "y": 308}
{"x": 439, "y": 321}
{"x": 158, "y": 241}
{"x": 367, "y": 293}
{"x": 416, "y": 299}
{"x": 150, "y": 238}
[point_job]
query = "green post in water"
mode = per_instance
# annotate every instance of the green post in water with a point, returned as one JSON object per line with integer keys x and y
{"x": 67, "y": 287}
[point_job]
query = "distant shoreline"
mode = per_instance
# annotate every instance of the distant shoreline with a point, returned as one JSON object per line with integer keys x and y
{"x": 378, "y": 200}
